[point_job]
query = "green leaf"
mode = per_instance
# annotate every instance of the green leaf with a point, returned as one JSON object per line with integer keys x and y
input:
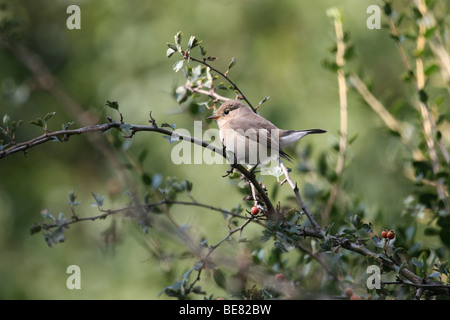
{"x": 430, "y": 32}
{"x": 112, "y": 104}
{"x": 280, "y": 246}
{"x": 219, "y": 278}
{"x": 98, "y": 200}
{"x": 178, "y": 40}
{"x": 387, "y": 8}
{"x": 378, "y": 242}
{"x": 35, "y": 228}
{"x": 38, "y": 122}
{"x": 430, "y": 231}
{"x": 202, "y": 51}
{"x": 431, "y": 69}
{"x": 330, "y": 65}
{"x": 349, "y": 52}
{"x": 232, "y": 63}
{"x": 165, "y": 124}
{"x": 171, "y": 46}
{"x": 263, "y": 100}
{"x": 49, "y": 115}
{"x": 423, "y": 96}
{"x": 192, "y": 43}
{"x": 67, "y": 125}
{"x": 73, "y": 199}
{"x": 399, "y": 268}
{"x": 6, "y": 121}
{"x": 417, "y": 263}
{"x": 147, "y": 179}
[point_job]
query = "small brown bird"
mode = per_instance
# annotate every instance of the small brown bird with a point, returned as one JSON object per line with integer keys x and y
{"x": 250, "y": 137}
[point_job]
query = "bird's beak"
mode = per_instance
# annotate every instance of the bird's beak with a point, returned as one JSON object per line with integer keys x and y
{"x": 214, "y": 117}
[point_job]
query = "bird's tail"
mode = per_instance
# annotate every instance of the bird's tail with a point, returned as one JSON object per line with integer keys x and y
{"x": 291, "y": 136}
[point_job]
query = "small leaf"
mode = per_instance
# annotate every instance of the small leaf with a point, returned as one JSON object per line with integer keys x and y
{"x": 172, "y": 139}
{"x": 38, "y": 122}
{"x": 399, "y": 268}
{"x": 98, "y": 200}
{"x": 430, "y": 32}
{"x": 191, "y": 43}
{"x": 112, "y": 104}
{"x": 387, "y": 8}
{"x": 6, "y": 120}
{"x": 378, "y": 242}
{"x": 431, "y": 69}
{"x": 35, "y": 228}
{"x": 178, "y": 40}
{"x": 219, "y": 278}
{"x": 165, "y": 124}
{"x": 202, "y": 51}
{"x": 178, "y": 65}
{"x": 263, "y": 100}
{"x": 430, "y": 231}
{"x": 417, "y": 263}
{"x": 49, "y": 115}
{"x": 67, "y": 125}
{"x": 170, "y": 52}
{"x": 147, "y": 179}
{"x": 171, "y": 46}
{"x": 73, "y": 199}
{"x": 232, "y": 63}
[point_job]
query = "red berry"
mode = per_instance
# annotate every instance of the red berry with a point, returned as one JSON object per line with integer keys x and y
{"x": 391, "y": 235}
{"x": 348, "y": 292}
{"x": 280, "y": 277}
{"x": 384, "y": 233}
{"x": 255, "y": 210}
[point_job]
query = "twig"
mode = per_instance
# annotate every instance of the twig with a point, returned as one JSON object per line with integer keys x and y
{"x": 108, "y": 212}
{"x": 294, "y": 187}
{"x": 235, "y": 87}
{"x": 214, "y": 247}
{"x": 210, "y": 93}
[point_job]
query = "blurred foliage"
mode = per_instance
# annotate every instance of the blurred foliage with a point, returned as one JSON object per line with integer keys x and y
{"x": 282, "y": 49}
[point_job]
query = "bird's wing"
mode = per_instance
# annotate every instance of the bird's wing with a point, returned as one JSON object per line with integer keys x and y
{"x": 260, "y": 130}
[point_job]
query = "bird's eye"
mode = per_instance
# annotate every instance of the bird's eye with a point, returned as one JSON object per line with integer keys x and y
{"x": 226, "y": 112}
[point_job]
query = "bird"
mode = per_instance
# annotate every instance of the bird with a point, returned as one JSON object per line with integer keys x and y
{"x": 250, "y": 136}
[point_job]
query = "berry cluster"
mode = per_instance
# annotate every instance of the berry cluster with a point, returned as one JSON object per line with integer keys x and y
{"x": 388, "y": 234}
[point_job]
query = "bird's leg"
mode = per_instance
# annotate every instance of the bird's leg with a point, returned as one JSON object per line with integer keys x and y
{"x": 232, "y": 164}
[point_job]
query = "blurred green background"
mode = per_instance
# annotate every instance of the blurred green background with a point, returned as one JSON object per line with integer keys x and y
{"x": 119, "y": 54}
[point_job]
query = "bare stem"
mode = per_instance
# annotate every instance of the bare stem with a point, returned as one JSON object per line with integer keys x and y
{"x": 343, "y": 132}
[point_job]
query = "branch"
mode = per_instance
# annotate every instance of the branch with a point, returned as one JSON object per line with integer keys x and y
{"x": 64, "y": 135}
